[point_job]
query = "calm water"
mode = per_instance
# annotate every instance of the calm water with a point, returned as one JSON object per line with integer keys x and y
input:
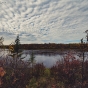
{"x": 47, "y": 57}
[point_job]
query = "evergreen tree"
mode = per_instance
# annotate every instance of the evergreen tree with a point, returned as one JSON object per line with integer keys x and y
{"x": 32, "y": 61}
{"x": 17, "y": 45}
{"x": 16, "y": 53}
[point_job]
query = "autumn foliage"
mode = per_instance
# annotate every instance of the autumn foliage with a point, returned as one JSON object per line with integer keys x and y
{"x": 66, "y": 73}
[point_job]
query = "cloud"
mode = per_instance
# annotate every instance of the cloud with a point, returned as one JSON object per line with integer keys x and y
{"x": 40, "y": 21}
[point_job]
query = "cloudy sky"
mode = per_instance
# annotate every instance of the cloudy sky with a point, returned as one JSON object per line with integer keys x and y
{"x": 43, "y": 21}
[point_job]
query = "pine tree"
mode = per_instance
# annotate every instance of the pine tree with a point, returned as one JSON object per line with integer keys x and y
{"x": 17, "y": 45}
{"x": 32, "y": 61}
{"x": 16, "y": 53}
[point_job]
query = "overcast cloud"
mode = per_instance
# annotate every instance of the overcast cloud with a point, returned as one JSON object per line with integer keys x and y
{"x": 43, "y": 21}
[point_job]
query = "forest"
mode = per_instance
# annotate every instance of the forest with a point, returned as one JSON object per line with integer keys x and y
{"x": 77, "y": 46}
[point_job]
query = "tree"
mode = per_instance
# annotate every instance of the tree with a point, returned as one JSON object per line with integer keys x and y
{"x": 2, "y": 47}
{"x": 17, "y": 45}
{"x": 16, "y": 53}
{"x": 82, "y": 41}
{"x": 32, "y": 60}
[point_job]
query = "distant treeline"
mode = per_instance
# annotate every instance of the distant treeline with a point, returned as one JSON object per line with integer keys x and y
{"x": 52, "y": 46}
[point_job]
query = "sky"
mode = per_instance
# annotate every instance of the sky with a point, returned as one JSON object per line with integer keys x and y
{"x": 43, "y": 21}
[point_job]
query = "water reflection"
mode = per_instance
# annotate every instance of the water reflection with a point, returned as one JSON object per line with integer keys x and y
{"x": 47, "y": 60}
{"x": 47, "y": 57}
